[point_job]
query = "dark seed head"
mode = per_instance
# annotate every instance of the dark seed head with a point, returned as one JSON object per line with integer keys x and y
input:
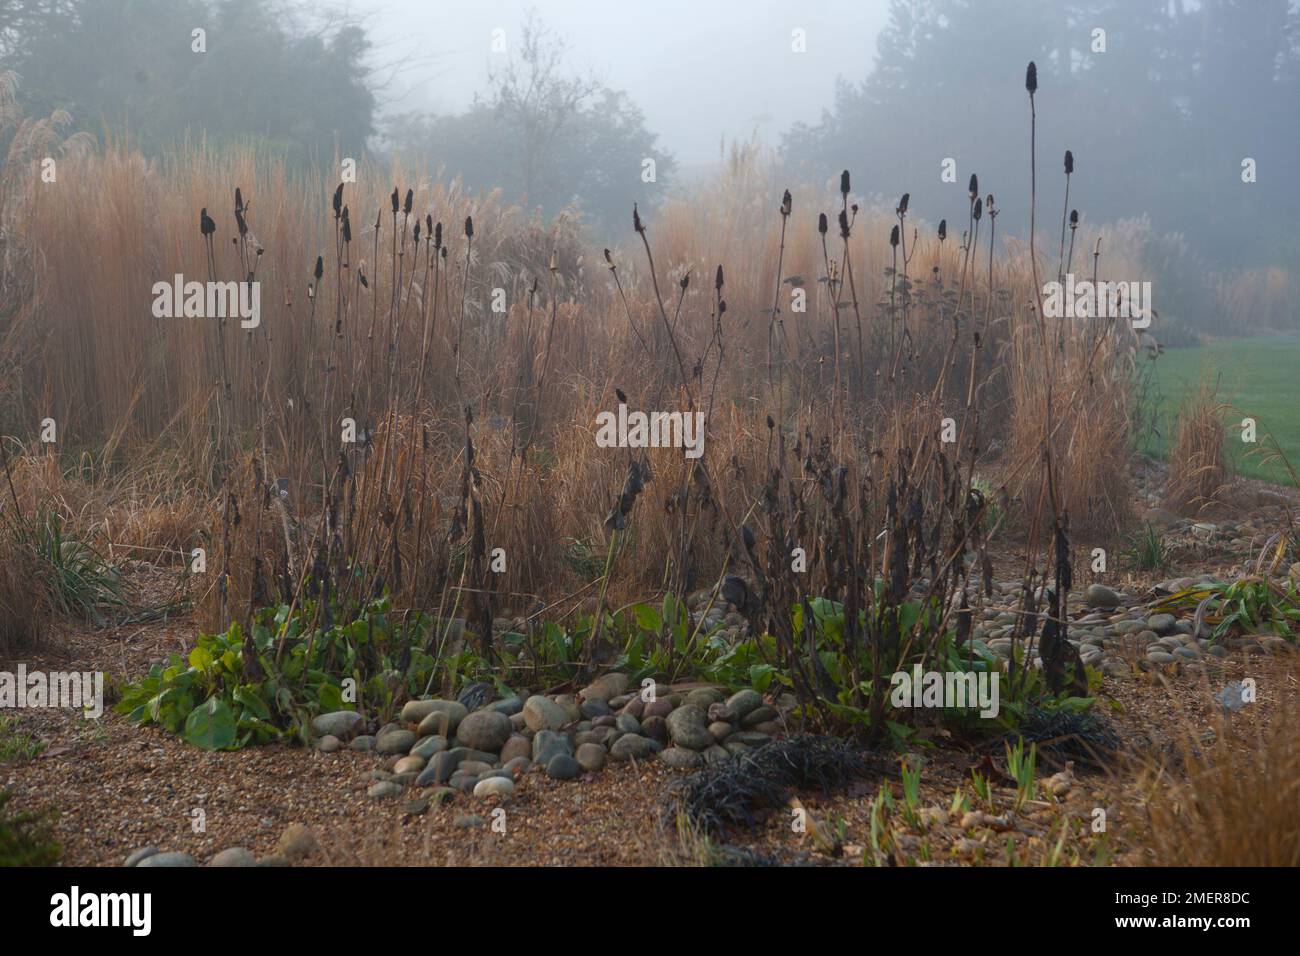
{"x": 902, "y": 204}
{"x": 636, "y": 220}
{"x": 844, "y": 224}
{"x": 979, "y": 209}
{"x": 410, "y": 200}
{"x": 469, "y": 227}
{"x": 395, "y": 200}
{"x": 893, "y": 236}
{"x": 786, "y": 203}
{"x": 821, "y": 224}
{"x": 437, "y": 236}
{"x": 1031, "y": 78}
{"x": 974, "y": 188}
{"x": 1069, "y": 162}
{"x": 943, "y": 229}
{"x": 1074, "y": 218}
{"x": 320, "y": 268}
{"x": 717, "y": 279}
{"x": 338, "y": 201}
{"x": 844, "y": 183}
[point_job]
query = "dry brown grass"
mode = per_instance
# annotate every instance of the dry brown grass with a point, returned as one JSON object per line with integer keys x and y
{"x": 177, "y": 415}
{"x": 1197, "y": 474}
{"x": 1231, "y": 797}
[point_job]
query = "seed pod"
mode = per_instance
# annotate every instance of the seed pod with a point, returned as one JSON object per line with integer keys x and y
{"x": 1031, "y": 78}
{"x": 338, "y": 201}
{"x": 239, "y": 200}
{"x": 1074, "y": 219}
{"x": 394, "y": 197}
{"x": 608, "y": 259}
{"x": 844, "y": 224}
{"x": 821, "y": 224}
{"x": 428, "y": 224}
{"x": 717, "y": 279}
{"x": 979, "y": 209}
{"x": 347, "y": 226}
{"x": 417, "y": 232}
{"x": 902, "y": 204}
{"x": 974, "y": 188}
{"x": 844, "y": 183}
{"x": 410, "y": 199}
{"x": 1069, "y": 162}
{"x": 893, "y": 236}
{"x": 206, "y": 225}
{"x": 686, "y": 280}
{"x": 636, "y": 220}
{"x": 469, "y": 227}
{"x": 437, "y": 236}
{"x": 320, "y": 268}
{"x": 943, "y": 229}
{"x": 786, "y": 203}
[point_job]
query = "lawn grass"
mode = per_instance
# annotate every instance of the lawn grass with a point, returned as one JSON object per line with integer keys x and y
{"x": 1258, "y": 377}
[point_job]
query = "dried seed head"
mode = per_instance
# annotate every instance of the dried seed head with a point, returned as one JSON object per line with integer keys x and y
{"x": 621, "y": 397}
{"x": 844, "y": 183}
{"x": 410, "y": 200}
{"x": 469, "y": 227}
{"x": 206, "y": 225}
{"x": 636, "y": 220}
{"x": 1074, "y": 219}
{"x": 1031, "y": 78}
{"x": 686, "y": 280}
{"x": 988, "y": 204}
{"x": 786, "y": 203}
{"x": 428, "y": 224}
{"x": 395, "y": 200}
{"x": 1069, "y": 162}
{"x": 347, "y": 226}
{"x": 821, "y": 224}
{"x": 437, "y": 236}
{"x": 893, "y": 236}
{"x": 717, "y": 279}
{"x": 902, "y": 204}
{"x": 979, "y": 209}
{"x": 608, "y": 259}
{"x": 844, "y": 224}
{"x": 320, "y": 268}
{"x": 943, "y": 229}
{"x": 338, "y": 201}
{"x": 974, "y": 188}
{"x": 417, "y": 232}
{"x": 239, "y": 200}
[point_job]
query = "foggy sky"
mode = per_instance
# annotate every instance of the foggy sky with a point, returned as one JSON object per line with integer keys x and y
{"x": 701, "y": 70}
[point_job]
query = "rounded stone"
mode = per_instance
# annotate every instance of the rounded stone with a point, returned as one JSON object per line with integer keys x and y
{"x": 338, "y": 723}
{"x": 542, "y": 713}
{"x": 688, "y": 726}
{"x": 395, "y": 742}
{"x": 632, "y": 747}
{"x": 484, "y": 730}
{"x": 409, "y": 765}
{"x": 680, "y": 758}
{"x": 591, "y": 757}
{"x": 563, "y": 767}
{"x": 494, "y": 787}
{"x": 234, "y": 856}
{"x": 168, "y": 860}
{"x": 328, "y": 744}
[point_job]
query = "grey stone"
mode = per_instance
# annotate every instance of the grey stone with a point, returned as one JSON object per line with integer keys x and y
{"x": 234, "y": 856}
{"x": 688, "y": 726}
{"x": 494, "y": 787}
{"x": 563, "y": 767}
{"x": 338, "y": 723}
{"x": 632, "y": 747}
{"x": 484, "y": 730}
{"x": 542, "y": 713}
{"x": 548, "y": 744}
{"x": 1098, "y": 595}
{"x": 143, "y": 853}
{"x": 395, "y": 742}
{"x": 591, "y": 757}
{"x": 168, "y": 860}
{"x": 679, "y": 758}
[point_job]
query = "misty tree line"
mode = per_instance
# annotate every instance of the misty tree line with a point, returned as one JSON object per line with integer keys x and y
{"x": 1160, "y": 121}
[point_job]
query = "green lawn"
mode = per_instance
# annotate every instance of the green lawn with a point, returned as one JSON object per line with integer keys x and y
{"x": 1259, "y": 377}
